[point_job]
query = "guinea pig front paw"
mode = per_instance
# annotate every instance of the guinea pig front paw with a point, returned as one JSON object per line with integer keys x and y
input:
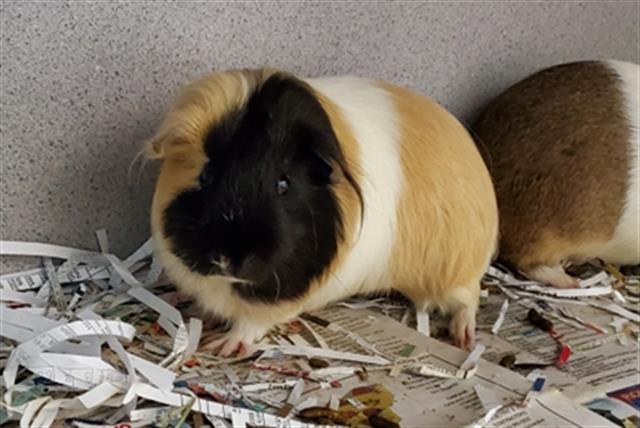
{"x": 227, "y": 346}
{"x": 238, "y": 340}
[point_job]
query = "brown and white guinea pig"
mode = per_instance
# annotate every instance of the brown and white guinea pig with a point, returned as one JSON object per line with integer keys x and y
{"x": 562, "y": 147}
{"x": 278, "y": 195}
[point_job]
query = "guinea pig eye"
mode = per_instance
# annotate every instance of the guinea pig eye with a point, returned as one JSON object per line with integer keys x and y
{"x": 283, "y": 185}
{"x": 206, "y": 175}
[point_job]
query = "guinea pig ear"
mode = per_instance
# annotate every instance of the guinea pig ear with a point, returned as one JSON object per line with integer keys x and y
{"x": 162, "y": 145}
{"x": 154, "y": 148}
{"x": 323, "y": 170}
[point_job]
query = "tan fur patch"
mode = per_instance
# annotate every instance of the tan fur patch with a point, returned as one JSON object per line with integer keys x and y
{"x": 200, "y": 104}
{"x": 447, "y": 215}
{"x": 557, "y": 147}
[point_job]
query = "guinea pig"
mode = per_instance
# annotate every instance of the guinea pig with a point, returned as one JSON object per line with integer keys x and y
{"x": 278, "y": 195}
{"x": 562, "y": 148}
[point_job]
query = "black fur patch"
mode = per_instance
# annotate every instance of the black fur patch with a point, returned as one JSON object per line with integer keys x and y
{"x": 278, "y": 241}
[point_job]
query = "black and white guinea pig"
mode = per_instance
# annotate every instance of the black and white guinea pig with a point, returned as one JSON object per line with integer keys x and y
{"x": 562, "y": 147}
{"x": 278, "y": 195}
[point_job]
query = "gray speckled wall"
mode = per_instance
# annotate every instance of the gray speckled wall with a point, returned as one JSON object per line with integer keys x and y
{"x": 82, "y": 84}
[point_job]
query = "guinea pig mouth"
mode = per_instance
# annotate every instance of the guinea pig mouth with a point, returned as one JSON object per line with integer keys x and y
{"x": 222, "y": 267}
{"x": 233, "y": 279}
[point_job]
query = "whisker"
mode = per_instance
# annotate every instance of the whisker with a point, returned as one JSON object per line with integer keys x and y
{"x": 339, "y": 281}
{"x": 141, "y": 160}
{"x": 313, "y": 228}
{"x": 275, "y": 274}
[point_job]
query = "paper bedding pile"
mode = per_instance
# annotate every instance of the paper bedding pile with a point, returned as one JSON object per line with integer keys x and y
{"x": 90, "y": 340}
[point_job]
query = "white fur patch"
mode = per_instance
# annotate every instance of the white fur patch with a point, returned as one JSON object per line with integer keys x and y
{"x": 624, "y": 248}
{"x": 372, "y": 118}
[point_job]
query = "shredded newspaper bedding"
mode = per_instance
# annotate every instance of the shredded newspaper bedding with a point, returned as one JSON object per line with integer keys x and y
{"x": 90, "y": 340}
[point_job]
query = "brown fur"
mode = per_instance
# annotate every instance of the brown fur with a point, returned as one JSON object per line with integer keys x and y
{"x": 557, "y": 150}
{"x": 447, "y": 215}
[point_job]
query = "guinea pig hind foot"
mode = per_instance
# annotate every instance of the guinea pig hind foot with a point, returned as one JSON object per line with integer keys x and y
{"x": 554, "y": 276}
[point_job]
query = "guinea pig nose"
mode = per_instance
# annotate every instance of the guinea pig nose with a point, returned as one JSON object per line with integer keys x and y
{"x": 250, "y": 268}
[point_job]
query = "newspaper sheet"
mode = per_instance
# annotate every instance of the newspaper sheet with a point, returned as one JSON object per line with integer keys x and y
{"x": 430, "y": 401}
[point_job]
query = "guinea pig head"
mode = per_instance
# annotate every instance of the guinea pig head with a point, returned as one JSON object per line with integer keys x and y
{"x": 247, "y": 187}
